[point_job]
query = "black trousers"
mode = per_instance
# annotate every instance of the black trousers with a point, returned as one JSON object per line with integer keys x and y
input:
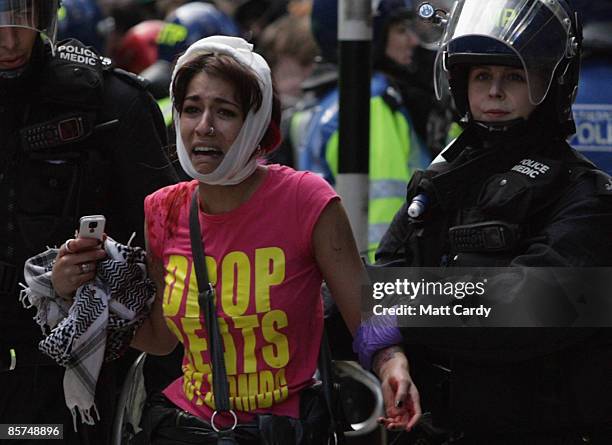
{"x": 35, "y": 394}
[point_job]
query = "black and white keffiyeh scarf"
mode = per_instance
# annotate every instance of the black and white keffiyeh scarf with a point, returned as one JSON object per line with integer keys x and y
{"x": 97, "y": 326}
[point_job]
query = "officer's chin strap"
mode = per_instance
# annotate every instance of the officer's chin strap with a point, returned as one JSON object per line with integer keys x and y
{"x": 514, "y": 132}
{"x": 501, "y": 127}
{"x": 13, "y": 74}
{"x": 24, "y": 72}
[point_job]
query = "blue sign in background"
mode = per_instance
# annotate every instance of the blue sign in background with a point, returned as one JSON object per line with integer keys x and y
{"x": 593, "y": 113}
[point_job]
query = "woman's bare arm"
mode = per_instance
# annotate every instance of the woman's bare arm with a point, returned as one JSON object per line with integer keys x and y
{"x": 338, "y": 259}
{"x": 153, "y": 336}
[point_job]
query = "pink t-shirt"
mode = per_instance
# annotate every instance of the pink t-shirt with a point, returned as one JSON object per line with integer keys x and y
{"x": 260, "y": 260}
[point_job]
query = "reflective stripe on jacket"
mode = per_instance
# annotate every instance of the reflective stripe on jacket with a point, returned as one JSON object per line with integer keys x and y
{"x": 395, "y": 152}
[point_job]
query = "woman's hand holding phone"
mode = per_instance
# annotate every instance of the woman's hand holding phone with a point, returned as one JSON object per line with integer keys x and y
{"x": 76, "y": 261}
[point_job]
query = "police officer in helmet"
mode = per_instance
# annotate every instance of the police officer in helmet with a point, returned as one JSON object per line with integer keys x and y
{"x": 20, "y": 21}
{"x": 512, "y": 67}
{"x": 77, "y": 137}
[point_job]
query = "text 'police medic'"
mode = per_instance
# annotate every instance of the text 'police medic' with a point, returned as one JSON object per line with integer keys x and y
{"x": 78, "y": 54}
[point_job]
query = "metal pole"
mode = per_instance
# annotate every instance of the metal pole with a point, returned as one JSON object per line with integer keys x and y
{"x": 355, "y": 41}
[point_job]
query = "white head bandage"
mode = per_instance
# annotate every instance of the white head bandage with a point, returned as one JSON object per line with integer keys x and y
{"x": 239, "y": 162}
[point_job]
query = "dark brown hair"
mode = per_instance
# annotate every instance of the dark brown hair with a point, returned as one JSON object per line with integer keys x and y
{"x": 245, "y": 83}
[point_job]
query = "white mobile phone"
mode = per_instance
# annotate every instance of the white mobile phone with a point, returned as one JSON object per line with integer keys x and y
{"x": 92, "y": 226}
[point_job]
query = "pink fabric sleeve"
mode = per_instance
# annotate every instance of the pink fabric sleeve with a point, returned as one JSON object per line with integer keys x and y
{"x": 314, "y": 194}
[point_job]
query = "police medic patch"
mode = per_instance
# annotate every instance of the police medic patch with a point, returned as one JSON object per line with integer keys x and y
{"x": 531, "y": 168}
{"x": 77, "y": 54}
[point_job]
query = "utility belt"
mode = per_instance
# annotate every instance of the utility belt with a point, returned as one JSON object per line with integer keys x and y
{"x": 489, "y": 236}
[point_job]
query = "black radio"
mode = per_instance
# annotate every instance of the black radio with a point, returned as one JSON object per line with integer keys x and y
{"x": 55, "y": 132}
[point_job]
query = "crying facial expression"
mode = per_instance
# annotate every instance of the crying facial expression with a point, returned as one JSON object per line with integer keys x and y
{"x": 210, "y": 121}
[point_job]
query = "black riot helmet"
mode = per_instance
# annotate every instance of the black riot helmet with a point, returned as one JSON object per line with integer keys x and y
{"x": 543, "y": 37}
{"x": 39, "y": 15}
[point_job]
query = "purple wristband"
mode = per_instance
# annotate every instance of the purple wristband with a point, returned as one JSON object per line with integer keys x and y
{"x": 374, "y": 335}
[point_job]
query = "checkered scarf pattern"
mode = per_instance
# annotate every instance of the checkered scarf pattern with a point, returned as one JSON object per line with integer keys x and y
{"x": 99, "y": 324}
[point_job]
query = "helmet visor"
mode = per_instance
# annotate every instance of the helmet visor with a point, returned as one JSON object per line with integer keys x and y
{"x": 39, "y": 15}
{"x": 536, "y": 34}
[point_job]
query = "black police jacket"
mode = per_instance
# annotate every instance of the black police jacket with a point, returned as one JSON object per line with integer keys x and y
{"x": 529, "y": 202}
{"x": 77, "y": 137}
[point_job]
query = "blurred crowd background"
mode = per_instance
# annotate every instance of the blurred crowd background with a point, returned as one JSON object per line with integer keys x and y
{"x": 298, "y": 39}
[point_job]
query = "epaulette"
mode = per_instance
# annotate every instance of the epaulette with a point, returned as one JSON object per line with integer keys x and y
{"x": 393, "y": 97}
{"x": 584, "y": 167}
{"x": 580, "y": 165}
{"x": 131, "y": 78}
{"x": 603, "y": 183}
